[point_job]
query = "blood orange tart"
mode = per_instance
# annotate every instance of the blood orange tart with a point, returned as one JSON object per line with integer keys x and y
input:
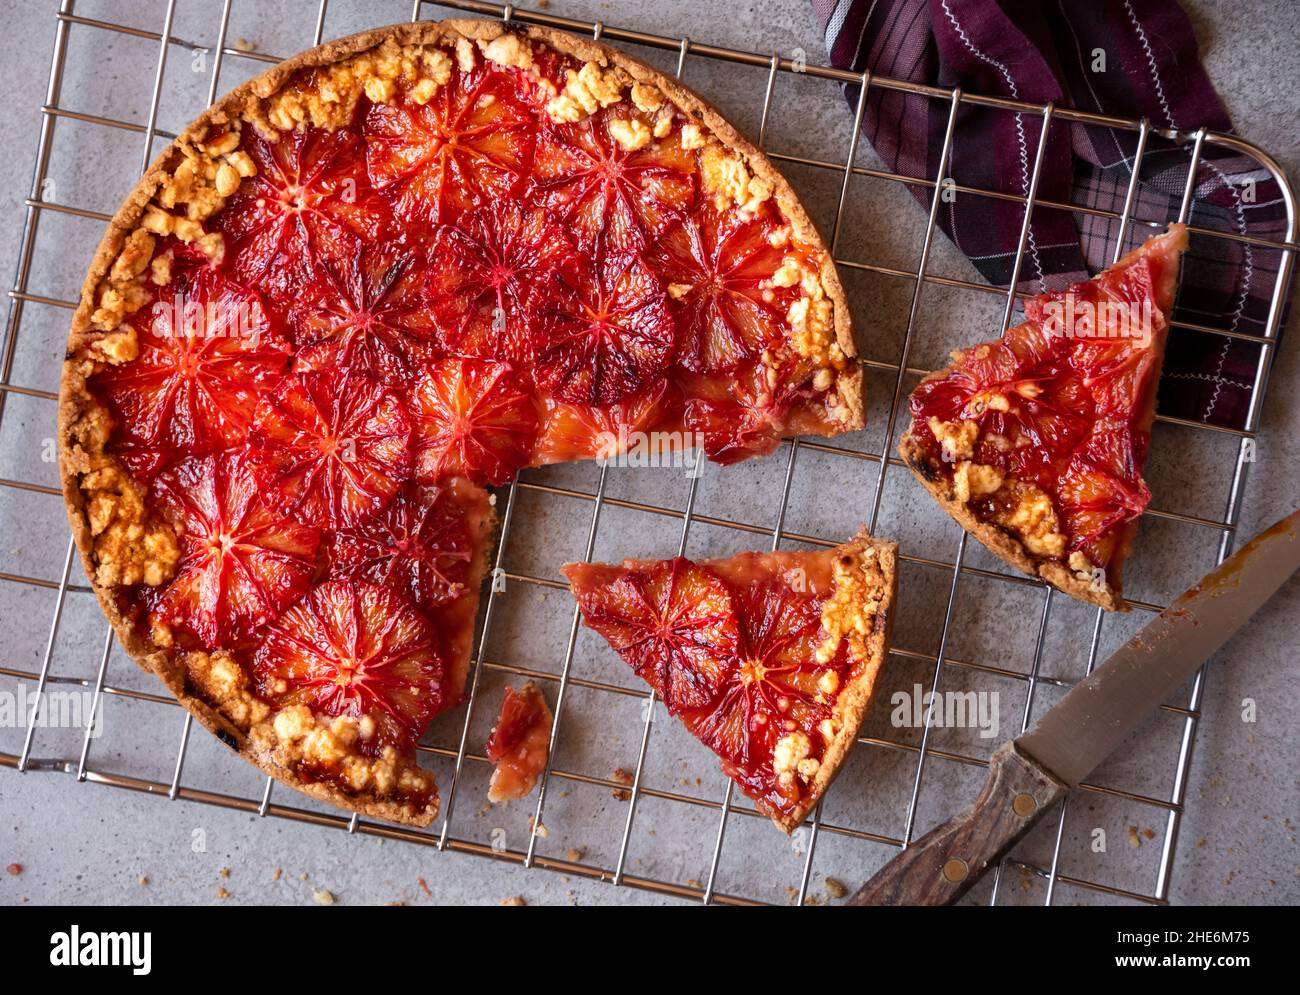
{"x": 386, "y": 274}
{"x": 1035, "y": 443}
{"x": 769, "y": 659}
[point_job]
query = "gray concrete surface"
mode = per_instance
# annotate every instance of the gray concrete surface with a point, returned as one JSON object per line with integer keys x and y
{"x": 85, "y": 843}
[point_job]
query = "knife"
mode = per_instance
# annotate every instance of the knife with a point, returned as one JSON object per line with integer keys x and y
{"x": 1030, "y": 773}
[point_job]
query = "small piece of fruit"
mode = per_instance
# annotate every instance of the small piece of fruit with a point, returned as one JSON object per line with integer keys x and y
{"x": 519, "y": 744}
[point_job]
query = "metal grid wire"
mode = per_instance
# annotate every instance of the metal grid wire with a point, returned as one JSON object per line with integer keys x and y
{"x": 727, "y": 809}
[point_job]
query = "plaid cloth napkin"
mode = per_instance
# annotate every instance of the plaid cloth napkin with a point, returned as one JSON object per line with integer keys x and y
{"x": 1130, "y": 58}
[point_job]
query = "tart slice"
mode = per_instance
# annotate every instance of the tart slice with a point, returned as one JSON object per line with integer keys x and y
{"x": 387, "y": 273}
{"x": 769, "y": 659}
{"x": 1035, "y": 442}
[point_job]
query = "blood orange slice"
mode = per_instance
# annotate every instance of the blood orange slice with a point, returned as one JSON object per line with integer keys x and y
{"x": 749, "y": 413}
{"x": 332, "y": 448}
{"x": 769, "y": 659}
{"x": 472, "y": 419}
{"x": 355, "y": 649}
{"x": 615, "y": 201}
{"x": 673, "y": 621}
{"x": 649, "y": 422}
{"x": 467, "y": 147}
{"x": 1036, "y": 442}
{"x": 367, "y": 314}
{"x": 309, "y": 203}
{"x": 520, "y": 743}
{"x": 420, "y": 545}
{"x": 610, "y": 339}
{"x": 206, "y": 352}
{"x": 241, "y": 564}
{"x": 492, "y": 275}
{"x": 719, "y": 269}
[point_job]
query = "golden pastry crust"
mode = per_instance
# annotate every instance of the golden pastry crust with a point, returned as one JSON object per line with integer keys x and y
{"x": 119, "y": 540}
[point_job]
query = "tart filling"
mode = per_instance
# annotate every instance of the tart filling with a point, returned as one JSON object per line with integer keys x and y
{"x": 769, "y": 659}
{"x": 1035, "y": 443}
{"x": 367, "y": 284}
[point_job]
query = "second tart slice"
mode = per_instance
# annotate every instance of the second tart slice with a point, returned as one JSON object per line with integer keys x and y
{"x": 1035, "y": 442}
{"x": 769, "y": 659}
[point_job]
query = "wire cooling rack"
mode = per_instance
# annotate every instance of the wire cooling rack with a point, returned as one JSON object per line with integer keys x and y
{"x": 689, "y": 822}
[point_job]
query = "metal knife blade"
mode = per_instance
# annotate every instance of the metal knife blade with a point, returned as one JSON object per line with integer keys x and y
{"x": 1086, "y": 726}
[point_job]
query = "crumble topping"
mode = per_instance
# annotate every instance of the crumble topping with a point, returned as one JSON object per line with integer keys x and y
{"x": 630, "y": 133}
{"x": 586, "y": 91}
{"x": 508, "y": 50}
{"x": 725, "y": 175}
{"x": 792, "y": 758}
{"x": 294, "y": 736}
{"x": 974, "y": 480}
{"x": 128, "y": 547}
{"x": 1026, "y": 509}
{"x": 811, "y": 317}
{"x": 956, "y": 438}
{"x": 646, "y": 98}
{"x": 850, "y": 612}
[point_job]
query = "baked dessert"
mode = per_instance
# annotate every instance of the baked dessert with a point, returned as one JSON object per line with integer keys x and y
{"x": 1035, "y": 443}
{"x": 520, "y": 743}
{"x": 365, "y": 286}
{"x": 769, "y": 659}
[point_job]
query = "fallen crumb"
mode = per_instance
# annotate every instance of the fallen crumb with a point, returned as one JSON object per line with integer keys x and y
{"x": 222, "y": 893}
{"x": 812, "y": 900}
{"x": 225, "y": 872}
{"x": 424, "y": 886}
{"x": 277, "y": 874}
{"x": 14, "y": 870}
{"x": 1149, "y": 833}
{"x": 1201, "y": 842}
{"x": 836, "y": 888}
{"x": 303, "y": 876}
{"x": 624, "y": 778}
{"x": 541, "y": 830}
{"x": 514, "y": 900}
{"x": 244, "y": 45}
{"x": 1134, "y": 840}
{"x": 574, "y": 855}
{"x": 695, "y": 883}
{"x": 143, "y": 882}
{"x": 323, "y": 897}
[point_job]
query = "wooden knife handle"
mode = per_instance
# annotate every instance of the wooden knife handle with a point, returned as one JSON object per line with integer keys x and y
{"x": 939, "y": 867}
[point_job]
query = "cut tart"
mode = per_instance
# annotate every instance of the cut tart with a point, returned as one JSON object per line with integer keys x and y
{"x": 769, "y": 659}
{"x": 520, "y": 743}
{"x": 1035, "y": 442}
{"x": 386, "y": 274}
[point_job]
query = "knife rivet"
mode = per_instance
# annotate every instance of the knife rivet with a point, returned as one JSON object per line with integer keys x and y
{"x": 1024, "y": 805}
{"x": 955, "y": 870}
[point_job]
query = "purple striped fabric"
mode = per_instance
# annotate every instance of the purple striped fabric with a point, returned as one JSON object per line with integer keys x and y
{"x": 1130, "y": 58}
